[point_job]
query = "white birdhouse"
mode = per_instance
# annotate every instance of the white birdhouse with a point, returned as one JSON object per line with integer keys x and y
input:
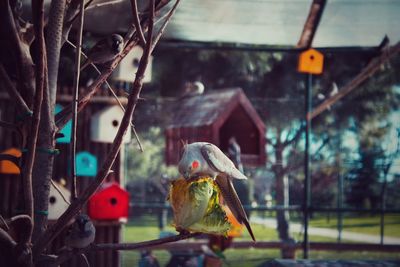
{"x": 127, "y": 68}
{"x": 57, "y": 204}
{"x": 105, "y": 123}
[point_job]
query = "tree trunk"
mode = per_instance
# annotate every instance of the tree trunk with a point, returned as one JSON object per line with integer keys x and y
{"x": 282, "y": 217}
{"x": 43, "y": 168}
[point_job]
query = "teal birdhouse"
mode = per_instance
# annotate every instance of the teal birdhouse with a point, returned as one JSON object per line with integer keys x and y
{"x": 66, "y": 130}
{"x": 86, "y": 164}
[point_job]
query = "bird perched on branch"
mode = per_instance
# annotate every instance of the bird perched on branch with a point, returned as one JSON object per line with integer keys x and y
{"x": 192, "y": 89}
{"x": 81, "y": 233}
{"x": 203, "y": 158}
{"x": 105, "y": 50}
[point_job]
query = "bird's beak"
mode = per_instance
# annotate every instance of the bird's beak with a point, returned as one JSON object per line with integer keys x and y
{"x": 186, "y": 174}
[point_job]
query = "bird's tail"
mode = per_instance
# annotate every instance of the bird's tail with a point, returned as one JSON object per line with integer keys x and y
{"x": 232, "y": 200}
{"x": 247, "y": 224}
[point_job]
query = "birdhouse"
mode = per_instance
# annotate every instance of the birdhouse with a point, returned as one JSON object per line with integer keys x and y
{"x": 86, "y": 164}
{"x": 8, "y": 167}
{"x": 111, "y": 202}
{"x": 66, "y": 130}
{"x": 216, "y": 117}
{"x": 57, "y": 205}
{"x": 311, "y": 61}
{"x": 105, "y": 123}
{"x": 127, "y": 68}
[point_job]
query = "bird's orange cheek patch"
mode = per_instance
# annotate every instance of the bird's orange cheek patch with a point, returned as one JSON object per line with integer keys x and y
{"x": 195, "y": 164}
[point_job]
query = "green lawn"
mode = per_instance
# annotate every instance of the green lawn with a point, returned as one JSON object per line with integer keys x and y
{"x": 146, "y": 228}
{"x": 368, "y": 224}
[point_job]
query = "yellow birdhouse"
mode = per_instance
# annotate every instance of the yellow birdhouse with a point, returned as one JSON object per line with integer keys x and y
{"x": 311, "y": 61}
{"x": 8, "y": 167}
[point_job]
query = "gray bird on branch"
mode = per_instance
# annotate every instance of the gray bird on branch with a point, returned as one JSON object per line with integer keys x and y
{"x": 81, "y": 233}
{"x": 105, "y": 50}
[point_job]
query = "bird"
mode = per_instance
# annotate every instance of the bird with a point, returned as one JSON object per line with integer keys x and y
{"x": 334, "y": 90}
{"x": 81, "y": 233}
{"x": 206, "y": 159}
{"x": 192, "y": 89}
{"x": 105, "y": 50}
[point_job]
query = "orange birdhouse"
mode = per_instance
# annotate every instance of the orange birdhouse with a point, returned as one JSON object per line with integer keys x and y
{"x": 311, "y": 61}
{"x": 8, "y": 167}
{"x": 111, "y": 202}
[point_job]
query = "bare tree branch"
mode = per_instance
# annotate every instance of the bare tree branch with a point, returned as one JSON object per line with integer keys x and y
{"x": 114, "y": 95}
{"x": 295, "y": 137}
{"x": 131, "y": 40}
{"x": 365, "y": 73}
{"x": 75, "y": 100}
{"x": 142, "y": 245}
{"x": 167, "y": 19}
{"x": 74, "y": 208}
{"x": 104, "y": 4}
{"x": 24, "y": 64}
{"x": 136, "y": 23}
{"x": 12, "y": 91}
{"x": 60, "y": 192}
{"x": 311, "y": 25}
{"x": 38, "y": 18}
{"x": 53, "y": 44}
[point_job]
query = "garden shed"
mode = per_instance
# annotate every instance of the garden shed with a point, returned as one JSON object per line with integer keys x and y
{"x": 216, "y": 117}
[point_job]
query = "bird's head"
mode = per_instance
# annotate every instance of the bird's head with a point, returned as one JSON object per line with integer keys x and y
{"x": 190, "y": 163}
{"x": 117, "y": 43}
{"x": 82, "y": 220}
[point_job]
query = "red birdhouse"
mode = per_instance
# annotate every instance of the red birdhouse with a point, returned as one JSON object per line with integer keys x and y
{"x": 111, "y": 202}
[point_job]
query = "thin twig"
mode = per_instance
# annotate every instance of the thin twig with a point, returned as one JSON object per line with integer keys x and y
{"x": 4, "y": 223}
{"x": 114, "y": 95}
{"x": 131, "y": 41}
{"x": 60, "y": 192}
{"x": 364, "y": 74}
{"x": 75, "y": 100}
{"x": 105, "y": 4}
{"x": 38, "y": 18}
{"x": 12, "y": 91}
{"x": 167, "y": 19}
{"x": 84, "y": 259}
{"x": 142, "y": 245}
{"x": 136, "y": 22}
{"x": 53, "y": 231}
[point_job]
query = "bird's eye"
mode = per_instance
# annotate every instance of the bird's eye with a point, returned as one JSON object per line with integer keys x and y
{"x": 195, "y": 164}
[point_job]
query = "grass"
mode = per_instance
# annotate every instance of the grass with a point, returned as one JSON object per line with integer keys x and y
{"x": 145, "y": 228}
{"x": 367, "y": 224}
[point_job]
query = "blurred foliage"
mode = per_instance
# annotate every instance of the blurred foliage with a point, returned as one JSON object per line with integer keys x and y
{"x": 148, "y": 164}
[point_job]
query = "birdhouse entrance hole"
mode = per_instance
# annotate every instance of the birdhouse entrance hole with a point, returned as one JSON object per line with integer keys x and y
{"x": 52, "y": 199}
{"x": 115, "y": 123}
{"x": 113, "y": 201}
{"x": 241, "y": 126}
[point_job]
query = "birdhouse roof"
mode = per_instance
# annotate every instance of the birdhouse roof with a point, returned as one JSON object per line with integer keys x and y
{"x": 109, "y": 112}
{"x": 212, "y": 107}
{"x": 112, "y": 186}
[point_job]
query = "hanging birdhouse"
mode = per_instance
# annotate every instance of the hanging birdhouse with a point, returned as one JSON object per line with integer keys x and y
{"x": 57, "y": 205}
{"x": 127, "y": 68}
{"x": 66, "y": 130}
{"x": 311, "y": 61}
{"x": 8, "y": 167}
{"x": 86, "y": 164}
{"x": 111, "y": 202}
{"x": 215, "y": 117}
{"x": 105, "y": 124}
